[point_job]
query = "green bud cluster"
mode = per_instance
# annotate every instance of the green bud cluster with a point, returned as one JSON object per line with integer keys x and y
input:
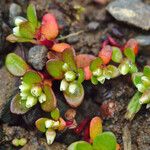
{"x": 19, "y": 142}
{"x": 31, "y": 94}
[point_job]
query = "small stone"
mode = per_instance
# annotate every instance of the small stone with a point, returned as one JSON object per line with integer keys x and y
{"x": 93, "y": 26}
{"x": 37, "y": 57}
{"x": 14, "y": 11}
{"x": 131, "y": 11}
{"x": 72, "y": 39}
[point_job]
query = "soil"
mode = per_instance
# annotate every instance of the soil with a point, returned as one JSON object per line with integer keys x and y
{"x": 96, "y": 24}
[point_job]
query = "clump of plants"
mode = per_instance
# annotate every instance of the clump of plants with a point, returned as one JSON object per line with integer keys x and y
{"x": 72, "y": 70}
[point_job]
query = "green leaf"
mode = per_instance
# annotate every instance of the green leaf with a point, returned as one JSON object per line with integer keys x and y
{"x": 80, "y": 145}
{"x": 129, "y": 53}
{"x": 133, "y": 68}
{"x": 27, "y": 30}
{"x": 54, "y": 68}
{"x": 105, "y": 141}
{"x": 124, "y": 67}
{"x": 40, "y": 124}
{"x": 114, "y": 71}
{"x": 16, "y": 65}
{"x": 96, "y": 63}
{"x": 134, "y": 106}
{"x": 69, "y": 58}
{"x": 147, "y": 71}
{"x": 145, "y": 98}
{"x": 51, "y": 102}
{"x": 31, "y": 14}
{"x": 136, "y": 78}
{"x": 116, "y": 55}
{"x": 17, "y": 107}
{"x": 94, "y": 80}
{"x": 80, "y": 75}
{"x": 55, "y": 114}
{"x": 32, "y": 77}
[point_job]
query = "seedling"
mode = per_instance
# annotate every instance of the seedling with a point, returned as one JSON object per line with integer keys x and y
{"x": 19, "y": 142}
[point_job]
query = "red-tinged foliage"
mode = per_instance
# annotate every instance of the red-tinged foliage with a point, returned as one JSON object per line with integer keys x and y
{"x": 49, "y": 27}
{"x": 84, "y": 60}
{"x": 87, "y": 134}
{"x": 133, "y": 44}
{"x": 106, "y": 42}
{"x": 113, "y": 42}
{"x": 60, "y": 47}
{"x": 87, "y": 73}
{"x": 82, "y": 125}
{"x": 105, "y": 54}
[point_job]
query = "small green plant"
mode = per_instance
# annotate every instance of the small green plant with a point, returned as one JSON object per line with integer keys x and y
{"x": 19, "y": 142}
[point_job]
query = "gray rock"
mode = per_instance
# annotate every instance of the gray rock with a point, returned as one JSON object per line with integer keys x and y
{"x": 37, "y": 56}
{"x": 72, "y": 39}
{"x": 8, "y": 85}
{"x": 14, "y": 11}
{"x": 134, "y": 12}
{"x": 92, "y": 26}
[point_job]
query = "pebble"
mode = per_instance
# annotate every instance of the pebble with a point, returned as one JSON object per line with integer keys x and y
{"x": 72, "y": 39}
{"x": 93, "y": 26}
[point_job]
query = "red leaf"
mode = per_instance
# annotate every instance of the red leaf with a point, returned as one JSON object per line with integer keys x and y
{"x": 105, "y": 54}
{"x": 113, "y": 42}
{"x": 60, "y": 47}
{"x": 133, "y": 44}
{"x": 49, "y": 27}
{"x": 87, "y": 73}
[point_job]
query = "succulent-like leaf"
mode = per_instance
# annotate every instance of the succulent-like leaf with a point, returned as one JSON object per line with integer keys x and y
{"x": 31, "y": 14}
{"x": 80, "y": 75}
{"x": 16, "y": 65}
{"x": 95, "y": 64}
{"x": 54, "y": 68}
{"x": 84, "y": 60}
{"x": 124, "y": 67}
{"x": 16, "y": 106}
{"x": 95, "y": 127}
{"x": 40, "y": 124}
{"x": 145, "y": 98}
{"x": 51, "y": 102}
{"x": 105, "y": 54}
{"x": 136, "y": 78}
{"x": 129, "y": 53}
{"x": 62, "y": 124}
{"x": 74, "y": 100}
{"x": 32, "y": 77}
{"x": 134, "y": 106}
{"x": 133, "y": 68}
{"x": 49, "y": 27}
{"x": 27, "y": 30}
{"x": 80, "y": 145}
{"x": 94, "y": 80}
{"x": 55, "y": 114}
{"x": 114, "y": 71}
{"x": 105, "y": 141}
{"x": 147, "y": 71}
{"x": 69, "y": 58}
{"x": 116, "y": 55}
{"x": 60, "y": 47}
{"x": 87, "y": 73}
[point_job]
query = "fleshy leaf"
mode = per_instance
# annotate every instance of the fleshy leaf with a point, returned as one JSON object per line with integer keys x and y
{"x": 105, "y": 141}
{"x": 145, "y": 98}
{"x": 31, "y": 14}
{"x": 116, "y": 55}
{"x": 87, "y": 73}
{"x": 133, "y": 107}
{"x": 27, "y": 30}
{"x": 16, "y": 65}
{"x": 80, "y": 75}
{"x": 40, "y": 124}
{"x": 96, "y": 63}
{"x": 49, "y": 27}
{"x": 105, "y": 54}
{"x": 94, "y": 80}
{"x": 80, "y": 145}
{"x": 32, "y": 77}
{"x": 51, "y": 101}
{"x": 84, "y": 60}
{"x": 74, "y": 100}
{"x": 55, "y": 114}
{"x": 136, "y": 78}
{"x": 130, "y": 54}
{"x": 147, "y": 71}
{"x": 69, "y": 58}
{"x": 60, "y": 47}
{"x": 95, "y": 127}
{"x": 54, "y": 68}
{"x": 114, "y": 71}
{"x": 16, "y": 106}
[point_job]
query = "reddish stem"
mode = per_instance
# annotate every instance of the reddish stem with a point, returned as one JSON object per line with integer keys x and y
{"x": 87, "y": 134}
{"x": 106, "y": 42}
{"x": 69, "y": 123}
{"x": 113, "y": 42}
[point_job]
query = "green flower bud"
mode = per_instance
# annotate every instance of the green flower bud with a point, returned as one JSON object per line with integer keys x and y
{"x": 22, "y": 141}
{"x": 16, "y": 31}
{"x": 49, "y": 123}
{"x": 42, "y": 98}
{"x": 36, "y": 91}
{"x": 145, "y": 98}
{"x": 73, "y": 88}
{"x": 101, "y": 79}
{"x": 18, "y": 20}
{"x": 97, "y": 72}
{"x": 31, "y": 101}
{"x": 65, "y": 67}
{"x": 70, "y": 76}
{"x": 15, "y": 142}
{"x": 50, "y": 136}
{"x": 64, "y": 85}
